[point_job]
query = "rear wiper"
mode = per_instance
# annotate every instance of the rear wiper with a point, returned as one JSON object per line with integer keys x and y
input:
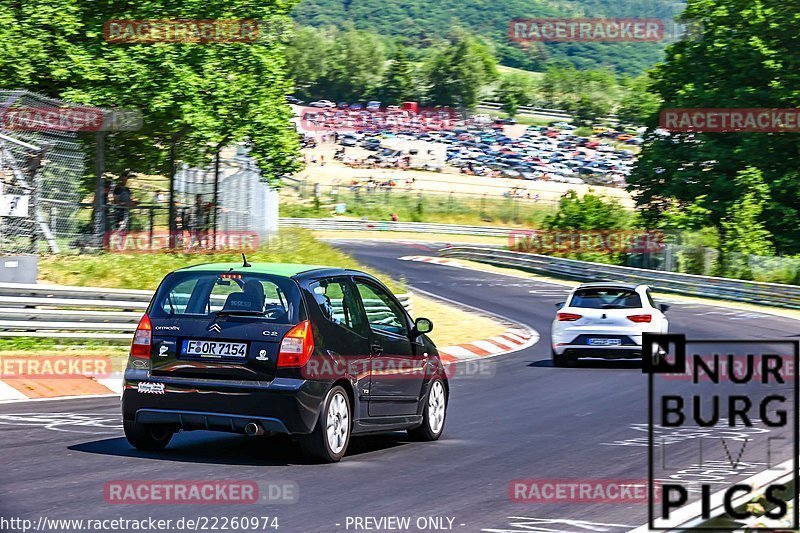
{"x": 229, "y": 312}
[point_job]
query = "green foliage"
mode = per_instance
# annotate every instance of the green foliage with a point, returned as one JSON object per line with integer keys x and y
{"x": 418, "y": 24}
{"x": 587, "y": 93}
{"x": 748, "y": 56}
{"x": 516, "y": 89}
{"x": 589, "y": 212}
{"x": 192, "y": 96}
{"x": 456, "y": 71}
{"x": 685, "y": 217}
{"x": 336, "y": 64}
{"x": 743, "y": 233}
{"x": 742, "y": 229}
{"x": 638, "y": 104}
{"x": 399, "y": 82}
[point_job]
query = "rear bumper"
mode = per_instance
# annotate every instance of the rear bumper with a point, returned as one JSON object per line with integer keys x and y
{"x": 601, "y": 352}
{"x": 210, "y": 421}
{"x": 282, "y": 405}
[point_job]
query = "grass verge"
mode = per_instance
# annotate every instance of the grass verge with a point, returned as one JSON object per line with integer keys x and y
{"x": 146, "y": 270}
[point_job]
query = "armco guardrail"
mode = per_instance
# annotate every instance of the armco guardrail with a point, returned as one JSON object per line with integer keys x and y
{"x": 65, "y": 312}
{"x": 338, "y": 224}
{"x": 542, "y": 111}
{"x": 772, "y": 294}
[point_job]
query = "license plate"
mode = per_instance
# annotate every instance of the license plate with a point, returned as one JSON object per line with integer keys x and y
{"x": 605, "y": 342}
{"x": 214, "y": 349}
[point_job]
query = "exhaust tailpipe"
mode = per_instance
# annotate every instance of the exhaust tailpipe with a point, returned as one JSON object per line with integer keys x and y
{"x": 253, "y": 429}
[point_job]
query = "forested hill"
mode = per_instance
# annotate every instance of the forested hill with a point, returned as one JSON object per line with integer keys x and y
{"x": 420, "y": 22}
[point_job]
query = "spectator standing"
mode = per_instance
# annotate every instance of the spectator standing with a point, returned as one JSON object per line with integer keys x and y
{"x": 198, "y": 221}
{"x": 123, "y": 202}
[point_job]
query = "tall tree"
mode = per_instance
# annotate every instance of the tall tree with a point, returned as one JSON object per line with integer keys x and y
{"x": 514, "y": 90}
{"x": 190, "y": 95}
{"x": 398, "y": 83}
{"x": 638, "y": 103}
{"x": 748, "y": 56}
{"x": 456, "y": 72}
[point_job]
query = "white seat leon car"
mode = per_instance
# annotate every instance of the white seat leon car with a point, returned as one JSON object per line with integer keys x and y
{"x": 605, "y": 320}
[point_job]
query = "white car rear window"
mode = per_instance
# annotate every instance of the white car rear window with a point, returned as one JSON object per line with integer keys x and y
{"x": 606, "y": 298}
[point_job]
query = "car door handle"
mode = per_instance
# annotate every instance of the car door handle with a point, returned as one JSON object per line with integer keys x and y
{"x": 377, "y": 349}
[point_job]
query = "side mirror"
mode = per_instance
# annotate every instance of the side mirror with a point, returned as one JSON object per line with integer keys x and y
{"x": 663, "y": 307}
{"x": 423, "y": 325}
{"x": 559, "y": 305}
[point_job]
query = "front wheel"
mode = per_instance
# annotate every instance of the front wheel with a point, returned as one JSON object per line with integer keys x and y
{"x": 328, "y": 442}
{"x": 151, "y": 438}
{"x": 433, "y": 415}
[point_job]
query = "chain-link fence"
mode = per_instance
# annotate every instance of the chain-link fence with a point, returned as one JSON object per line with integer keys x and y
{"x": 244, "y": 201}
{"x": 41, "y": 167}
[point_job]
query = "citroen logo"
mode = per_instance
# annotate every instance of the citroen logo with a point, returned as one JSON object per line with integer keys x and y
{"x": 215, "y": 327}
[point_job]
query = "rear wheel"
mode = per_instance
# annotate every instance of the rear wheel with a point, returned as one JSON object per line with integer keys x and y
{"x": 433, "y": 415}
{"x": 328, "y": 442}
{"x": 563, "y": 360}
{"x": 151, "y": 438}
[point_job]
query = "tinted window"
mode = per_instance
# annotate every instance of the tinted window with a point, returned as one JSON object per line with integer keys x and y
{"x": 606, "y": 298}
{"x": 202, "y": 294}
{"x": 383, "y": 314}
{"x": 337, "y": 304}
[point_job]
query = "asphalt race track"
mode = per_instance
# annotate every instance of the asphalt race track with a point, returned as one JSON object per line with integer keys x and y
{"x": 527, "y": 420}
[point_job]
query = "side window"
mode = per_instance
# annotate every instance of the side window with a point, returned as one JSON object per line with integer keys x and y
{"x": 383, "y": 314}
{"x": 335, "y": 303}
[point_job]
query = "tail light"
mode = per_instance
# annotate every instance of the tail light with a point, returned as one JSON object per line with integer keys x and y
{"x": 640, "y": 318}
{"x": 142, "y": 339}
{"x": 568, "y": 317}
{"x": 297, "y": 346}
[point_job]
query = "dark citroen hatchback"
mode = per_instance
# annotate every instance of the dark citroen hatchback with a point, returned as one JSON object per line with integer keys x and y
{"x": 315, "y": 352}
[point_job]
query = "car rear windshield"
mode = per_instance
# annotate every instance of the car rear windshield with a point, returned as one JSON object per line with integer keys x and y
{"x": 206, "y": 294}
{"x": 606, "y": 298}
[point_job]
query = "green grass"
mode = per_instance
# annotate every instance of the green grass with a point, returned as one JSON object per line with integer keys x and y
{"x": 38, "y": 344}
{"x": 439, "y": 208}
{"x": 145, "y": 271}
